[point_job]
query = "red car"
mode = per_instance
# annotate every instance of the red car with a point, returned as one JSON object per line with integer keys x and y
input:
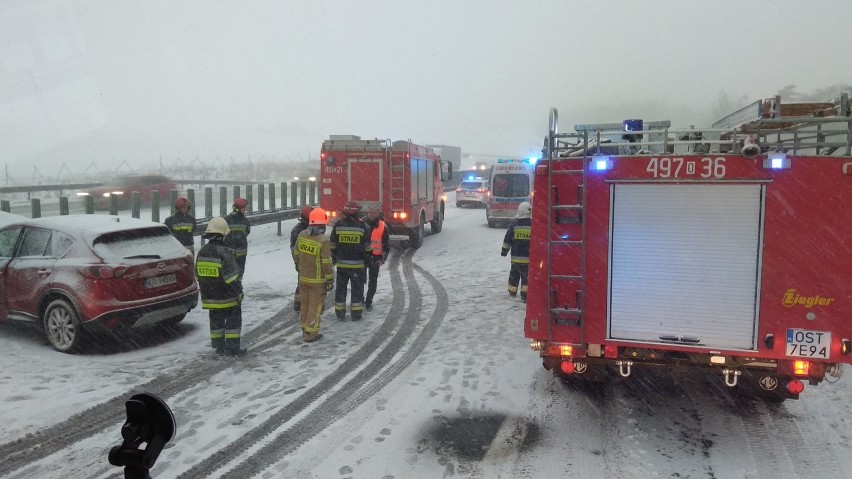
{"x": 75, "y": 274}
{"x": 124, "y": 186}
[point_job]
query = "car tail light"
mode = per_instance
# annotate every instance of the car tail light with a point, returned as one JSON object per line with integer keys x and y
{"x": 567, "y": 367}
{"x": 458, "y": 190}
{"x": 400, "y": 215}
{"x": 611, "y": 351}
{"x": 480, "y": 190}
{"x": 104, "y": 271}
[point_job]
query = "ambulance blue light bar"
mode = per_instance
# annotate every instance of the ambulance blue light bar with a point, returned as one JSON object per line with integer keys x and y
{"x": 600, "y": 163}
{"x": 776, "y": 160}
{"x": 532, "y": 160}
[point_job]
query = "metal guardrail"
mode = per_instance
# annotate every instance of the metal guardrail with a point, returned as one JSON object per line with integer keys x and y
{"x": 301, "y": 194}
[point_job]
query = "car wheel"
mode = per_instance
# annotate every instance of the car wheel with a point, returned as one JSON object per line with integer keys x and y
{"x": 458, "y": 205}
{"x": 491, "y": 223}
{"x": 62, "y": 326}
{"x": 417, "y": 234}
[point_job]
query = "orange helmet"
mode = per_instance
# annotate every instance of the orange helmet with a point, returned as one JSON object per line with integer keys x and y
{"x": 317, "y": 217}
{"x": 305, "y": 213}
{"x": 181, "y": 202}
{"x": 240, "y": 203}
{"x": 351, "y": 208}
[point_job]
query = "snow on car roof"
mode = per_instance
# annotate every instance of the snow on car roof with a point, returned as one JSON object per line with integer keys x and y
{"x": 88, "y": 226}
{"x": 9, "y": 218}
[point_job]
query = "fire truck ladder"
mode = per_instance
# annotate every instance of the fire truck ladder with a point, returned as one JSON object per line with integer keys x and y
{"x": 556, "y": 151}
{"x": 397, "y": 182}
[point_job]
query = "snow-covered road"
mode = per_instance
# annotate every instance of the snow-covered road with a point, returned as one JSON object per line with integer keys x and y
{"x": 437, "y": 381}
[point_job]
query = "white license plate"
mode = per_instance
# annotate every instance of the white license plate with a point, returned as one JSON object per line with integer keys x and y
{"x": 470, "y": 195}
{"x": 160, "y": 281}
{"x": 806, "y": 343}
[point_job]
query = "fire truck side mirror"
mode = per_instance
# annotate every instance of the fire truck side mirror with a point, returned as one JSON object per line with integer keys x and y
{"x": 447, "y": 175}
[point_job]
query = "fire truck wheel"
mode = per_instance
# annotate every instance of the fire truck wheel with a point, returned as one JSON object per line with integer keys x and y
{"x": 417, "y": 233}
{"x": 437, "y": 224}
{"x": 491, "y": 223}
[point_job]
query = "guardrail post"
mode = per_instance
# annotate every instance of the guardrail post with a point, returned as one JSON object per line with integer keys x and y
{"x": 89, "y": 202}
{"x": 236, "y": 192}
{"x": 303, "y": 193}
{"x": 260, "y": 198}
{"x": 155, "y": 206}
{"x": 283, "y": 195}
{"x": 223, "y": 201}
{"x": 35, "y": 204}
{"x": 294, "y": 194}
{"x": 5, "y": 206}
{"x": 63, "y": 205}
{"x": 113, "y": 204}
{"x": 249, "y": 199}
{"x": 208, "y": 202}
{"x": 173, "y": 196}
{"x": 136, "y": 204}
{"x": 190, "y": 195}
{"x": 312, "y": 192}
{"x": 272, "y": 196}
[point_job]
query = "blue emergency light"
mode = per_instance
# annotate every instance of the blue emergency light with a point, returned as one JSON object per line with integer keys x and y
{"x": 776, "y": 160}
{"x": 600, "y": 163}
{"x": 532, "y": 160}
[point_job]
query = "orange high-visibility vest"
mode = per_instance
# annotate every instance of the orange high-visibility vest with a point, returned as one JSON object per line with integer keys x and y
{"x": 376, "y": 238}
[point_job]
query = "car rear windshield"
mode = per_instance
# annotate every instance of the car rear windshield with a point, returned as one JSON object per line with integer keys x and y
{"x": 153, "y": 243}
{"x": 471, "y": 185}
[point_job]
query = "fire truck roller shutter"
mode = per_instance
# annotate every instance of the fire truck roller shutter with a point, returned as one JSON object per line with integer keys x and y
{"x": 685, "y": 263}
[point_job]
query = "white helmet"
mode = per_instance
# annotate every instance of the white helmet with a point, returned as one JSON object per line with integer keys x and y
{"x": 524, "y": 210}
{"x": 217, "y": 225}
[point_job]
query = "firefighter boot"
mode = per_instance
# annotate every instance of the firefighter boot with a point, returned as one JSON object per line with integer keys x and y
{"x": 513, "y": 290}
{"x": 297, "y": 303}
{"x": 232, "y": 347}
{"x": 340, "y": 311}
{"x": 218, "y": 344}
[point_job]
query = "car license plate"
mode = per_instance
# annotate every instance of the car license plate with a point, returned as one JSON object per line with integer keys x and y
{"x": 160, "y": 281}
{"x": 470, "y": 195}
{"x": 806, "y": 343}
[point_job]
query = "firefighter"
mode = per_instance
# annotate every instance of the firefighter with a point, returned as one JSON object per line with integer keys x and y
{"x": 182, "y": 224}
{"x": 221, "y": 290}
{"x": 517, "y": 241}
{"x": 302, "y": 225}
{"x": 350, "y": 250}
{"x": 240, "y": 229}
{"x": 316, "y": 273}
{"x": 380, "y": 244}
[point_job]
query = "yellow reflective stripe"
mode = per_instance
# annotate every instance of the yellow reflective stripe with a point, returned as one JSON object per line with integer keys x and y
{"x": 521, "y": 260}
{"x": 227, "y": 305}
{"x": 350, "y": 266}
{"x": 233, "y": 278}
{"x": 311, "y": 280}
{"x": 232, "y": 335}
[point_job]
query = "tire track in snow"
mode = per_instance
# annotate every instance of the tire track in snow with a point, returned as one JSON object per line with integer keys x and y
{"x": 370, "y": 380}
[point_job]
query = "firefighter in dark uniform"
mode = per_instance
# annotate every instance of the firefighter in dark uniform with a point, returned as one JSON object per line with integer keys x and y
{"x": 351, "y": 251}
{"x": 302, "y": 225}
{"x": 316, "y": 273}
{"x": 182, "y": 224}
{"x": 240, "y": 229}
{"x": 221, "y": 289}
{"x": 380, "y": 244}
{"x": 517, "y": 241}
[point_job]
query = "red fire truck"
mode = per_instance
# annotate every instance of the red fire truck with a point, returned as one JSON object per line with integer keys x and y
{"x": 723, "y": 250}
{"x": 403, "y": 179}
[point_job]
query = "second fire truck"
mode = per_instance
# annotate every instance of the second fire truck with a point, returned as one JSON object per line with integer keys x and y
{"x": 403, "y": 179}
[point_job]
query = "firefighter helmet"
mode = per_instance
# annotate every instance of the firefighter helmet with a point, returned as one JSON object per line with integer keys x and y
{"x": 240, "y": 203}
{"x": 217, "y": 225}
{"x": 524, "y": 210}
{"x": 181, "y": 202}
{"x": 305, "y": 213}
{"x": 351, "y": 208}
{"x": 318, "y": 217}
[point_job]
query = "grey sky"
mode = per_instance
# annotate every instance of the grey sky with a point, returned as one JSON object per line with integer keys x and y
{"x": 115, "y": 80}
